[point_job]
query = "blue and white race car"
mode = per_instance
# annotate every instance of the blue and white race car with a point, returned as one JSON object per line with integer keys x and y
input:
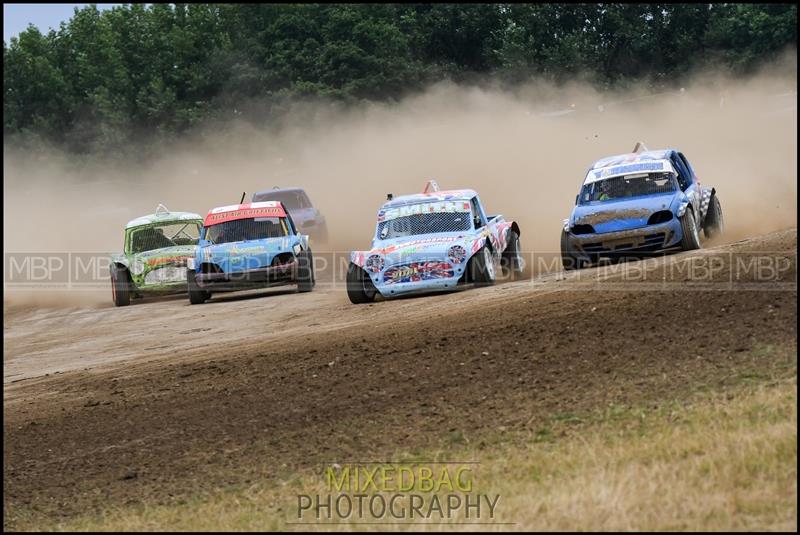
{"x": 433, "y": 241}
{"x": 245, "y": 246}
{"x": 636, "y": 203}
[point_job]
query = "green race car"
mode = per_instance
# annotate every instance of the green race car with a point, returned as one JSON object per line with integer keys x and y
{"x": 155, "y": 253}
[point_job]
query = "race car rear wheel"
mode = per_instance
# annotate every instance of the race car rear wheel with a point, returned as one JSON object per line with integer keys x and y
{"x": 482, "y": 267}
{"x": 714, "y": 224}
{"x": 359, "y": 286}
{"x": 569, "y": 259}
{"x": 510, "y": 260}
{"x": 305, "y": 271}
{"x": 197, "y": 296}
{"x": 120, "y": 286}
{"x": 691, "y": 237}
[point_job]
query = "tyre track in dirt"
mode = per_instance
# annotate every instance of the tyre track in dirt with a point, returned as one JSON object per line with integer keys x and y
{"x": 287, "y": 390}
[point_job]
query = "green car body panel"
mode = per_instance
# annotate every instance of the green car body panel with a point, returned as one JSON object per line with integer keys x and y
{"x": 159, "y": 270}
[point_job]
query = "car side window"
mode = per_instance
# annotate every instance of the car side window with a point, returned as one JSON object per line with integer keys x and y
{"x": 685, "y": 162}
{"x": 292, "y": 229}
{"x": 683, "y": 174}
{"x": 476, "y": 213}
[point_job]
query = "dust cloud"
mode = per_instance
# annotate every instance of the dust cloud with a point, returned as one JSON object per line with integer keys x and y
{"x": 525, "y": 151}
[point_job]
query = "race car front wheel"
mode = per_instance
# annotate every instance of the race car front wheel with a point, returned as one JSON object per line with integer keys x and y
{"x": 714, "y": 224}
{"x": 482, "y": 267}
{"x": 359, "y": 287}
{"x": 569, "y": 259}
{"x": 691, "y": 237}
{"x": 120, "y": 286}
{"x": 197, "y": 295}
{"x": 305, "y": 271}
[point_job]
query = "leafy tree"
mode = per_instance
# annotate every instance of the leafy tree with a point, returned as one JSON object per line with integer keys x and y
{"x": 106, "y": 78}
{"x": 33, "y": 87}
{"x": 743, "y": 35}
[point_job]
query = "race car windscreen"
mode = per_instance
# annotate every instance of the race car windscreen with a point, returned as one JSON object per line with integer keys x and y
{"x": 625, "y": 186}
{"x": 422, "y": 221}
{"x": 258, "y": 228}
{"x": 167, "y": 235}
{"x": 291, "y": 200}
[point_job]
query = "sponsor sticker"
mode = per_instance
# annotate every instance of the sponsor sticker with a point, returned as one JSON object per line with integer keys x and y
{"x": 424, "y": 208}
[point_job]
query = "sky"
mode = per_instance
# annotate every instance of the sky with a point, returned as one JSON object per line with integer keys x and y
{"x": 16, "y": 17}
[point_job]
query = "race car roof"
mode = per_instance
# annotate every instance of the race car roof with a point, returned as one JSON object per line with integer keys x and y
{"x": 632, "y": 162}
{"x": 244, "y": 211}
{"x": 651, "y": 166}
{"x": 278, "y": 190}
{"x": 632, "y": 157}
{"x": 449, "y": 195}
{"x": 163, "y": 217}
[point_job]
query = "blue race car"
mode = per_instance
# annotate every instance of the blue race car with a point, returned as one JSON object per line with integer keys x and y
{"x": 245, "y": 246}
{"x": 637, "y": 203}
{"x": 433, "y": 241}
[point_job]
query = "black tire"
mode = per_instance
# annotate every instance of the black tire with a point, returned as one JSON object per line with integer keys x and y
{"x": 510, "y": 261}
{"x": 197, "y": 296}
{"x": 305, "y": 271}
{"x": 569, "y": 260}
{"x": 359, "y": 286}
{"x": 120, "y": 286}
{"x": 691, "y": 235}
{"x": 714, "y": 225}
{"x": 481, "y": 267}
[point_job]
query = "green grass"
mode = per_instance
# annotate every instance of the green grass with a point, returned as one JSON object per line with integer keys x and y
{"x": 724, "y": 461}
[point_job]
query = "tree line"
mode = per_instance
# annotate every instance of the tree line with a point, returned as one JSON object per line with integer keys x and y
{"x": 105, "y": 78}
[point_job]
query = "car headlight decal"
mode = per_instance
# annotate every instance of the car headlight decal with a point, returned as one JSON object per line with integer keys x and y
{"x": 137, "y": 267}
{"x": 457, "y": 254}
{"x": 375, "y": 263}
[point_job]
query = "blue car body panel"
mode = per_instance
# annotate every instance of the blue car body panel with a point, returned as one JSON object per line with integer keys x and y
{"x": 418, "y": 264}
{"x": 623, "y": 214}
{"x": 236, "y": 257}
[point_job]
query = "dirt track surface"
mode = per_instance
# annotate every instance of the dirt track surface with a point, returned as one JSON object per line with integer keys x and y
{"x": 159, "y": 401}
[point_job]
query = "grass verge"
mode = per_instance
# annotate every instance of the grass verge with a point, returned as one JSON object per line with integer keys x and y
{"x": 717, "y": 459}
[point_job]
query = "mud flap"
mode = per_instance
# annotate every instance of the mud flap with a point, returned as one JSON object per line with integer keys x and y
{"x": 705, "y": 199}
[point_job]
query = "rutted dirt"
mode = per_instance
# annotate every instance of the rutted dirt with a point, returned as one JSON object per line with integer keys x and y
{"x": 162, "y": 400}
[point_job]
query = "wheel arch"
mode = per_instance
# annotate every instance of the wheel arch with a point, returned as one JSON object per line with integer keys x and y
{"x": 487, "y": 242}
{"x": 119, "y": 265}
{"x": 361, "y": 270}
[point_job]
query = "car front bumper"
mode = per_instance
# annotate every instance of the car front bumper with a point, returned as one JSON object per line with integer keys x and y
{"x": 160, "y": 289}
{"x": 444, "y": 276}
{"x": 401, "y": 288}
{"x": 252, "y": 278}
{"x": 651, "y": 238}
